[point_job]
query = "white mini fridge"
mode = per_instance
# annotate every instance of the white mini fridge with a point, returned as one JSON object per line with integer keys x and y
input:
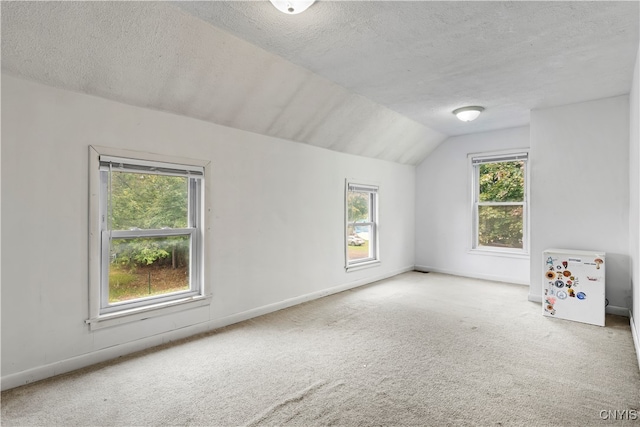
{"x": 574, "y": 285}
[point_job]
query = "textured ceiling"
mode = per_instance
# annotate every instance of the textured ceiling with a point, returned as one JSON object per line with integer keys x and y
{"x": 371, "y": 78}
{"x": 425, "y": 58}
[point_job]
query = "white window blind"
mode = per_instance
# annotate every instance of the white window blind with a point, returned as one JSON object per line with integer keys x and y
{"x": 146, "y": 166}
{"x": 363, "y": 188}
{"x": 499, "y": 158}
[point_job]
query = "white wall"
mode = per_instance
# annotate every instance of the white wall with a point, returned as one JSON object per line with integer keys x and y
{"x": 278, "y": 210}
{"x": 161, "y": 57}
{"x": 443, "y": 212}
{"x": 580, "y": 188}
{"x": 634, "y": 199}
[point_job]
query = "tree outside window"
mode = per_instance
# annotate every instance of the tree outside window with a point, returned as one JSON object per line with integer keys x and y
{"x": 151, "y": 232}
{"x": 500, "y": 202}
{"x": 146, "y": 266}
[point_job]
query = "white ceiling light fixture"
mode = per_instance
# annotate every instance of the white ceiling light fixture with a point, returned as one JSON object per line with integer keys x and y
{"x": 467, "y": 114}
{"x": 292, "y": 7}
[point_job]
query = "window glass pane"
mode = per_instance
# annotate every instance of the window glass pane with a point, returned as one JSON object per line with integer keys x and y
{"x": 148, "y": 267}
{"x": 358, "y": 206}
{"x": 148, "y": 201}
{"x": 358, "y": 242}
{"x": 500, "y": 226}
{"x": 501, "y": 182}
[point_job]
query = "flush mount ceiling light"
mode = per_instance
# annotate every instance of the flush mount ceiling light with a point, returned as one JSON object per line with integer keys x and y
{"x": 291, "y": 7}
{"x": 467, "y": 114}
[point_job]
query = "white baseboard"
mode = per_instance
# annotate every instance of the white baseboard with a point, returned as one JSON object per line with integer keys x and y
{"x": 611, "y": 309}
{"x": 636, "y": 337}
{"x": 618, "y": 311}
{"x": 491, "y": 277}
{"x": 103, "y": 355}
{"x": 535, "y": 298}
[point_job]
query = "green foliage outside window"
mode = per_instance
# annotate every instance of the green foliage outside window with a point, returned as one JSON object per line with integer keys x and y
{"x": 358, "y": 206}
{"x": 502, "y": 182}
{"x": 147, "y": 201}
{"x": 501, "y": 225}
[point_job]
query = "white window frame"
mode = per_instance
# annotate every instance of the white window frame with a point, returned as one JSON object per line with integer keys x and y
{"x": 475, "y": 159}
{"x": 374, "y": 192}
{"x": 102, "y": 160}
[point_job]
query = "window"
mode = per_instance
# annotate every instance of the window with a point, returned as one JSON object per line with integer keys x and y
{"x": 500, "y": 202}
{"x": 362, "y": 225}
{"x": 149, "y": 243}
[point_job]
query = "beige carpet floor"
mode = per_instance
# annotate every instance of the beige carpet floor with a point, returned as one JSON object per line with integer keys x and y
{"x": 414, "y": 350}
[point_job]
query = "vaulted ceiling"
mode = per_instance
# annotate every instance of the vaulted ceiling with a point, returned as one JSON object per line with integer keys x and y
{"x": 372, "y": 78}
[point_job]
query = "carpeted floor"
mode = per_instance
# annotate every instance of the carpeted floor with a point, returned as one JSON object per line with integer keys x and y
{"x": 414, "y": 350}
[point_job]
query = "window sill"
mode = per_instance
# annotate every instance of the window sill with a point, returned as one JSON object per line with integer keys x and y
{"x": 363, "y": 265}
{"x": 142, "y": 313}
{"x": 499, "y": 252}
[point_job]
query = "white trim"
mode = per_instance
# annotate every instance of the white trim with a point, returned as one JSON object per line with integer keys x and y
{"x": 500, "y": 155}
{"x": 146, "y": 311}
{"x": 491, "y": 277}
{"x": 164, "y": 232}
{"x": 488, "y": 251}
{"x": 95, "y": 252}
{"x": 374, "y": 224}
{"x": 618, "y": 311}
{"x": 497, "y": 158}
{"x": 363, "y": 188}
{"x": 182, "y": 170}
{"x": 362, "y": 265}
{"x": 143, "y": 155}
{"x": 500, "y": 203}
{"x": 101, "y": 355}
{"x": 97, "y": 317}
{"x": 636, "y": 337}
{"x": 535, "y": 298}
